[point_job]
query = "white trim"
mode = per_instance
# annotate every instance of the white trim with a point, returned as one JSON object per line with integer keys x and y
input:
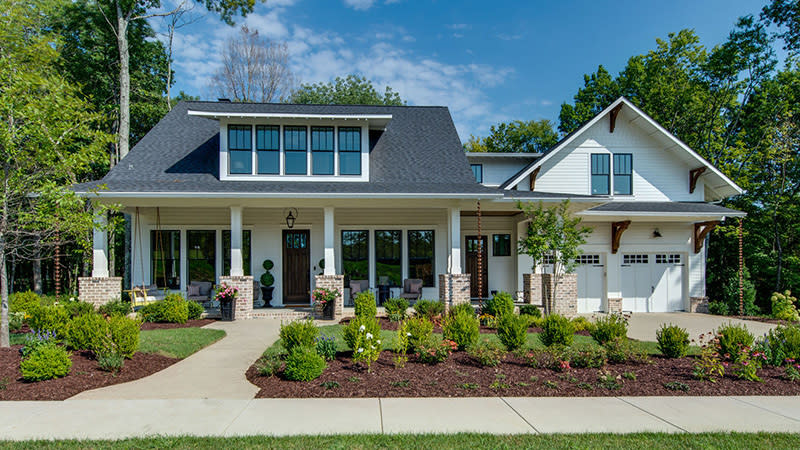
{"x": 659, "y": 214}
{"x": 503, "y": 155}
{"x": 237, "y": 195}
{"x": 289, "y": 115}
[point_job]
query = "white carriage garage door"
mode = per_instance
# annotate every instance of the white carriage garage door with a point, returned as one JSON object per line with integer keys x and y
{"x": 590, "y": 282}
{"x": 652, "y": 282}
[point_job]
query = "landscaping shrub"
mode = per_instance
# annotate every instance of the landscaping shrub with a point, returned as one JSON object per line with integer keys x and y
{"x": 486, "y": 353}
{"x": 581, "y": 323}
{"x": 530, "y": 310}
{"x": 500, "y": 304}
{"x": 462, "y": 328}
{"x": 718, "y": 308}
{"x": 123, "y": 336}
{"x": 367, "y": 345}
{"x": 16, "y": 320}
{"x": 195, "y": 310}
{"x": 401, "y": 346}
{"x": 462, "y": 308}
{"x": 434, "y": 351}
{"x": 608, "y": 328}
{"x": 594, "y": 357}
{"x": 86, "y": 332}
{"x": 728, "y": 293}
{"x": 396, "y": 309}
{"x": 37, "y": 339}
{"x": 783, "y": 307}
{"x": 512, "y": 330}
{"x": 365, "y": 304}
{"x": 173, "y": 309}
{"x": 731, "y": 338}
{"x": 351, "y": 331}
{"x": 781, "y": 345}
{"x": 77, "y": 308}
{"x": 110, "y": 362}
{"x": 420, "y": 330}
{"x": 48, "y": 318}
{"x": 326, "y": 347}
{"x": 300, "y": 333}
{"x": 115, "y": 307}
{"x": 46, "y": 362}
{"x": 673, "y": 341}
{"x": 429, "y": 308}
{"x": 23, "y": 301}
{"x": 556, "y": 330}
{"x": 269, "y": 365}
{"x": 621, "y": 350}
{"x": 304, "y": 364}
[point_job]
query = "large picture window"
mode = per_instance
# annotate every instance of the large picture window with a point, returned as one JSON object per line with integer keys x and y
{"x": 388, "y": 258}
{"x": 165, "y": 258}
{"x": 201, "y": 246}
{"x": 240, "y": 147}
{"x": 322, "y": 150}
{"x": 623, "y": 174}
{"x": 269, "y": 149}
{"x": 600, "y": 174}
{"x": 294, "y": 146}
{"x": 226, "y": 252}
{"x": 355, "y": 255}
{"x": 501, "y": 245}
{"x": 421, "y": 256}
{"x": 349, "y": 151}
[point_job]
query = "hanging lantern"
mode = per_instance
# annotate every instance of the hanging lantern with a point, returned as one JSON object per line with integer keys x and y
{"x": 291, "y": 218}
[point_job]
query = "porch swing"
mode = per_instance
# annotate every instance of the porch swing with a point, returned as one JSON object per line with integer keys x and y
{"x": 141, "y": 294}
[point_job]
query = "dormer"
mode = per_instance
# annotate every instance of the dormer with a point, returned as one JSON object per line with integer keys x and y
{"x": 276, "y": 146}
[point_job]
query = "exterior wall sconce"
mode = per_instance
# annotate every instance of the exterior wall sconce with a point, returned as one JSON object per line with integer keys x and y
{"x": 656, "y": 233}
{"x": 291, "y": 218}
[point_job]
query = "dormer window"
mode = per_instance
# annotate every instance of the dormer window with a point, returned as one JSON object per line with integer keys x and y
{"x": 295, "y": 150}
{"x": 349, "y": 151}
{"x": 239, "y": 149}
{"x": 268, "y": 147}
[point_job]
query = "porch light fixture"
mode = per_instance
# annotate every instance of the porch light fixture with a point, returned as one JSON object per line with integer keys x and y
{"x": 656, "y": 233}
{"x": 291, "y": 218}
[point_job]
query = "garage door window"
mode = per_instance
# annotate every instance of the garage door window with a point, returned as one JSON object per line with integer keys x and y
{"x": 635, "y": 259}
{"x": 588, "y": 259}
{"x": 668, "y": 259}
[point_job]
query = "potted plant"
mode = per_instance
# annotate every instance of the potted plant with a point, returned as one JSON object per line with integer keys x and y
{"x": 267, "y": 281}
{"x": 324, "y": 301}
{"x": 226, "y": 295}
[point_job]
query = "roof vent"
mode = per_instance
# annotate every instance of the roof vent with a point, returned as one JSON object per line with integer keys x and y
{"x": 224, "y": 100}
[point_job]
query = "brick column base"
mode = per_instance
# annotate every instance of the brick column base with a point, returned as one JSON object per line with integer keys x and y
{"x": 565, "y": 301}
{"x": 99, "y": 290}
{"x": 532, "y": 289}
{"x": 244, "y": 300}
{"x": 331, "y": 282}
{"x": 698, "y": 305}
{"x": 453, "y": 289}
{"x": 614, "y": 306}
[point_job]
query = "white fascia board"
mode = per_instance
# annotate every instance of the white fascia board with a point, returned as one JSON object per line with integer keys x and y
{"x": 554, "y": 199}
{"x": 658, "y": 214}
{"x": 215, "y": 115}
{"x": 235, "y": 195}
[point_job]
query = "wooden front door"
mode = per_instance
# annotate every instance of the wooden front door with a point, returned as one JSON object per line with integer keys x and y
{"x": 296, "y": 272}
{"x": 472, "y": 267}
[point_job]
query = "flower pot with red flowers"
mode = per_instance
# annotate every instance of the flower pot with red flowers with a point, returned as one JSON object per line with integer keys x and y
{"x": 226, "y": 296}
{"x": 324, "y": 300}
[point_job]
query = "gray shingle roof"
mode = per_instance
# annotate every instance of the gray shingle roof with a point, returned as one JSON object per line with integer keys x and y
{"x": 419, "y": 152}
{"x": 665, "y": 207}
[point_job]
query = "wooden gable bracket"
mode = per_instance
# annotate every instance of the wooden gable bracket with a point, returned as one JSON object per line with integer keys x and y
{"x": 613, "y": 116}
{"x": 701, "y": 230}
{"x": 534, "y": 174}
{"x": 694, "y": 174}
{"x": 617, "y": 228}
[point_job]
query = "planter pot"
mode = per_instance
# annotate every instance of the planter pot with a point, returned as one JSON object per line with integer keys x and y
{"x": 226, "y": 308}
{"x": 327, "y": 311}
{"x": 266, "y": 295}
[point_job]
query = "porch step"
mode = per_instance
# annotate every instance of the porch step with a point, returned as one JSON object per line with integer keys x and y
{"x": 289, "y": 314}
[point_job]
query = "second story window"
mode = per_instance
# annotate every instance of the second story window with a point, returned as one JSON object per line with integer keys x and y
{"x": 477, "y": 170}
{"x": 294, "y": 146}
{"x": 240, "y": 149}
{"x": 600, "y": 174}
{"x": 623, "y": 174}
{"x": 322, "y": 150}
{"x": 349, "y": 151}
{"x": 269, "y": 149}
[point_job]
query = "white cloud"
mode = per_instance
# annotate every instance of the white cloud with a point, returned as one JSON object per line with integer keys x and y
{"x": 359, "y": 5}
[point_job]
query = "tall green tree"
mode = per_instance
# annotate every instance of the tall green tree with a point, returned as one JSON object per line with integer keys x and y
{"x": 350, "y": 90}
{"x": 532, "y": 136}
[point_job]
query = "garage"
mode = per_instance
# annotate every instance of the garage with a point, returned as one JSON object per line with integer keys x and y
{"x": 652, "y": 282}
{"x": 590, "y": 282}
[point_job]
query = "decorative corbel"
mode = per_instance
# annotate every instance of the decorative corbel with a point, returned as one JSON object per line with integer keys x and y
{"x": 534, "y": 174}
{"x": 701, "y": 230}
{"x": 694, "y": 174}
{"x": 617, "y": 228}
{"x": 613, "y": 116}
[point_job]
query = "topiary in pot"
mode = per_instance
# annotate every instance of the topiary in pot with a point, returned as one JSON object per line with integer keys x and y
{"x": 267, "y": 281}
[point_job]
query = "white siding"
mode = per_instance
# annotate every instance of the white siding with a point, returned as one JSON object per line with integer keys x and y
{"x": 497, "y": 171}
{"x": 501, "y": 269}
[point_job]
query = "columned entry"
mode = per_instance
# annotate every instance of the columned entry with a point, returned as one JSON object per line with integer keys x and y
{"x": 471, "y": 257}
{"x": 296, "y": 267}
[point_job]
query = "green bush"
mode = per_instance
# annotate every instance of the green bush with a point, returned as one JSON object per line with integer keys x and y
{"x": 365, "y": 304}
{"x": 487, "y": 353}
{"x": 46, "y": 362}
{"x": 556, "y": 330}
{"x": 729, "y": 293}
{"x": 49, "y": 318}
{"x": 581, "y": 323}
{"x": 23, "y": 301}
{"x": 326, "y": 346}
{"x": 420, "y": 330}
{"x": 781, "y": 345}
{"x": 512, "y": 330}
{"x": 621, "y": 350}
{"x": 462, "y": 308}
{"x": 115, "y": 307}
{"x": 351, "y": 331}
{"x": 16, "y": 320}
{"x": 195, "y": 310}
{"x": 783, "y": 307}
{"x": 530, "y": 310}
{"x": 718, "y": 308}
{"x": 77, "y": 308}
{"x": 173, "y": 309}
{"x": 300, "y": 333}
{"x": 110, "y": 362}
{"x": 731, "y": 338}
{"x": 500, "y": 304}
{"x": 462, "y": 328}
{"x": 304, "y": 364}
{"x": 593, "y": 357}
{"x": 608, "y": 328}
{"x": 86, "y": 332}
{"x": 673, "y": 341}
{"x": 434, "y": 351}
{"x": 123, "y": 336}
{"x": 269, "y": 365}
{"x": 396, "y": 309}
{"x": 429, "y": 308}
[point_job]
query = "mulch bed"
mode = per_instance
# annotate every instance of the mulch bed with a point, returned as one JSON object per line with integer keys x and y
{"x": 84, "y": 375}
{"x": 166, "y": 326}
{"x": 388, "y": 325}
{"x": 449, "y": 379}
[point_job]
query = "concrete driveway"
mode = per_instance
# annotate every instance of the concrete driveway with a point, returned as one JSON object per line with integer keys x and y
{"x": 643, "y": 326}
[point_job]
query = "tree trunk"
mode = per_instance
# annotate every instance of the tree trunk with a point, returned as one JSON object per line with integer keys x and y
{"x": 4, "y": 338}
{"x": 124, "y": 84}
{"x": 37, "y": 269}
{"x": 126, "y": 270}
{"x": 169, "y": 72}
{"x": 779, "y": 249}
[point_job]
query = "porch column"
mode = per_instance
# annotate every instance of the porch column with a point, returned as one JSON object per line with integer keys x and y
{"x": 99, "y": 288}
{"x": 100, "y": 247}
{"x": 613, "y": 283}
{"x": 454, "y": 220}
{"x": 237, "y": 264}
{"x": 330, "y": 255}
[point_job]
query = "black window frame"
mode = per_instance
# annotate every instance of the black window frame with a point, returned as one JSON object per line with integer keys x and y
{"x": 623, "y": 175}
{"x": 212, "y": 261}
{"x": 235, "y": 149}
{"x": 289, "y": 148}
{"x": 247, "y": 252}
{"x": 499, "y": 248}
{"x": 172, "y": 262}
{"x": 597, "y": 172}
{"x": 478, "y": 178}
{"x": 384, "y": 259}
{"x": 349, "y": 152}
{"x": 268, "y": 151}
{"x": 428, "y": 279}
{"x": 347, "y": 256}
{"x": 322, "y": 150}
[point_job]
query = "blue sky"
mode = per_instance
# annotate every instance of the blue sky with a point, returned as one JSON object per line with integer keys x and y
{"x": 487, "y": 61}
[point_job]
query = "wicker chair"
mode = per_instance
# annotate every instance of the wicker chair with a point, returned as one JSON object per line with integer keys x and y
{"x": 412, "y": 290}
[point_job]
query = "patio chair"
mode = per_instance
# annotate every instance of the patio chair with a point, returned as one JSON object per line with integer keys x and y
{"x": 412, "y": 290}
{"x": 357, "y": 287}
{"x": 200, "y": 291}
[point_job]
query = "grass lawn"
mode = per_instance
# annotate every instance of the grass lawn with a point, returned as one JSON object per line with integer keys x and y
{"x": 453, "y": 441}
{"x": 177, "y": 342}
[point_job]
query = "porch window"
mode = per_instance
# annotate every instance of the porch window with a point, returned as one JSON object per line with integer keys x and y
{"x": 421, "y": 256}
{"x": 388, "y": 258}
{"x": 268, "y": 149}
{"x": 226, "y": 252}
{"x": 501, "y": 245}
{"x": 355, "y": 255}
{"x": 240, "y": 154}
{"x": 322, "y": 150}
{"x": 600, "y": 174}
{"x": 165, "y": 258}
{"x": 349, "y": 151}
{"x": 201, "y": 246}
{"x": 477, "y": 170}
{"x": 623, "y": 170}
{"x": 295, "y": 146}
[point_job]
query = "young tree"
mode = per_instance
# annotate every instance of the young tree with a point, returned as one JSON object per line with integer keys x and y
{"x": 532, "y": 136}
{"x": 351, "y": 90}
{"x": 254, "y": 69}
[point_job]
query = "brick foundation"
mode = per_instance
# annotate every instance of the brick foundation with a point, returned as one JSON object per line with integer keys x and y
{"x": 532, "y": 289}
{"x": 698, "y": 305}
{"x": 244, "y": 300}
{"x": 331, "y": 282}
{"x": 614, "y": 305}
{"x": 565, "y": 302}
{"x": 453, "y": 289}
{"x": 99, "y": 290}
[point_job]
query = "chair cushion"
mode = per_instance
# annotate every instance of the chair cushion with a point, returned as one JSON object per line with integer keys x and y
{"x": 205, "y": 287}
{"x": 192, "y": 290}
{"x": 413, "y": 286}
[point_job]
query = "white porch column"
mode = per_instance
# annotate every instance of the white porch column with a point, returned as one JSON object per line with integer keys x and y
{"x": 237, "y": 264}
{"x": 454, "y": 221}
{"x": 100, "y": 247}
{"x": 330, "y": 255}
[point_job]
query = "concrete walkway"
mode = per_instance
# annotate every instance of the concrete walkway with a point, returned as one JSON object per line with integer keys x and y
{"x": 217, "y": 371}
{"x": 643, "y": 326}
{"x": 117, "y": 419}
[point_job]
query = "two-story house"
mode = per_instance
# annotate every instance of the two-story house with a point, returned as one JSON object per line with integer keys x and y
{"x": 381, "y": 195}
